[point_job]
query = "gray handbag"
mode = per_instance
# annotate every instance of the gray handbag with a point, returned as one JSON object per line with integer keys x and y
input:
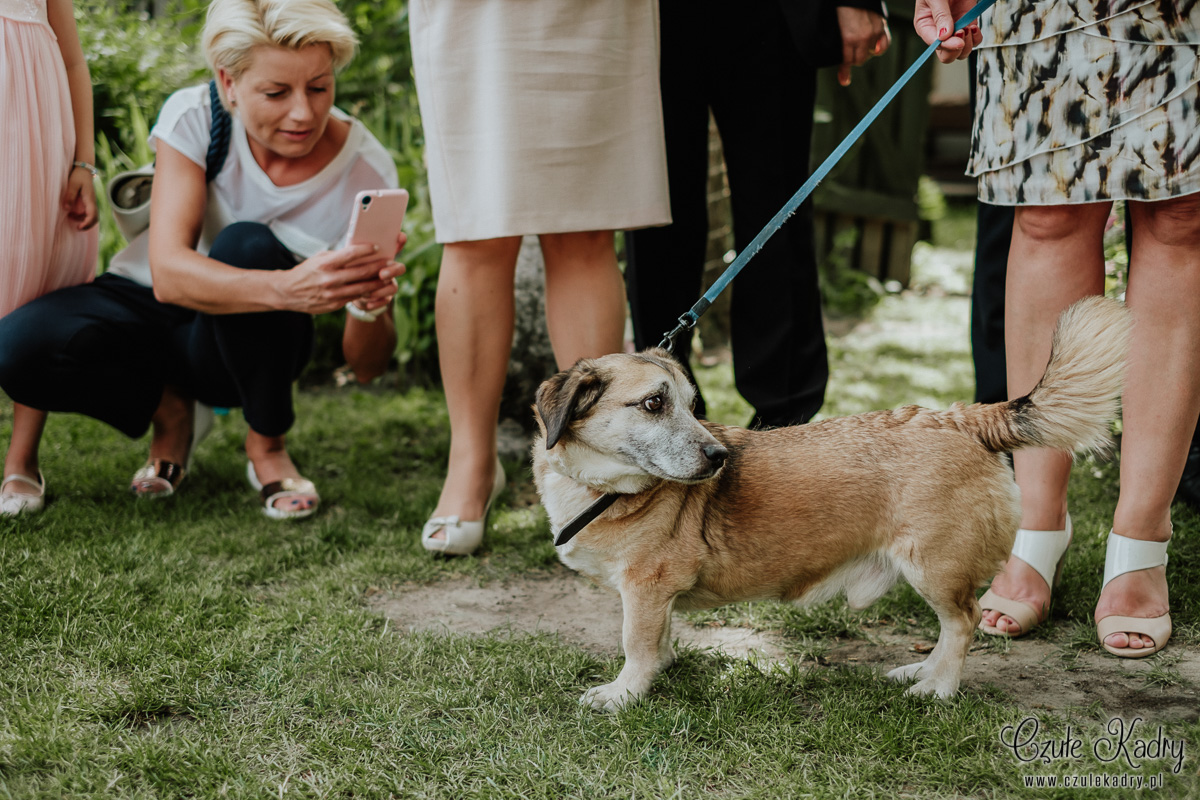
{"x": 129, "y": 191}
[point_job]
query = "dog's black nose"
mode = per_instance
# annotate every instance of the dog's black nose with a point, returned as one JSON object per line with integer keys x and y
{"x": 716, "y": 454}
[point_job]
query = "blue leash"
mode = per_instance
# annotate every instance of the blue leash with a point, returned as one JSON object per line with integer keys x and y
{"x": 689, "y": 319}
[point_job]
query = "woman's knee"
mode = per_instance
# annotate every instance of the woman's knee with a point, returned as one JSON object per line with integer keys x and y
{"x": 582, "y": 242}
{"x": 1056, "y": 223}
{"x": 30, "y": 342}
{"x": 591, "y": 248}
{"x": 483, "y": 252}
{"x": 1174, "y": 222}
{"x": 250, "y": 245}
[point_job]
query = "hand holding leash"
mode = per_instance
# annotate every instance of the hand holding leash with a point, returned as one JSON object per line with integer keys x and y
{"x": 933, "y": 20}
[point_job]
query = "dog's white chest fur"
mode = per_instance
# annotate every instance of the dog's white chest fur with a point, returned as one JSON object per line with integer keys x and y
{"x": 564, "y": 500}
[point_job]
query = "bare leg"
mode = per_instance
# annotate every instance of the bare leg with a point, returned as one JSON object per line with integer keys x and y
{"x": 1057, "y": 257}
{"x": 475, "y": 330}
{"x": 585, "y": 295}
{"x": 170, "y": 440}
{"x": 22, "y": 456}
{"x": 1162, "y": 396}
{"x": 172, "y": 426}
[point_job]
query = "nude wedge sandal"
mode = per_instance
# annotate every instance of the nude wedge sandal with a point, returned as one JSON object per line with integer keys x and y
{"x": 1130, "y": 555}
{"x": 1045, "y": 551}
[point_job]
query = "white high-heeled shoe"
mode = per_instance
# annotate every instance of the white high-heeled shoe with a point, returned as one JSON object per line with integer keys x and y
{"x": 1130, "y": 555}
{"x": 1045, "y": 551}
{"x": 462, "y": 538}
{"x": 13, "y": 504}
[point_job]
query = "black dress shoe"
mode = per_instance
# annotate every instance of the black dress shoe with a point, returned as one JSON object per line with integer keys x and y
{"x": 1189, "y": 482}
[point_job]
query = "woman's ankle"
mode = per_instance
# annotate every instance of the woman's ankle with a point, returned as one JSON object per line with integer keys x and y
{"x": 171, "y": 426}
{"x": 15, "y": 464}
{"x": 270, "y": 457}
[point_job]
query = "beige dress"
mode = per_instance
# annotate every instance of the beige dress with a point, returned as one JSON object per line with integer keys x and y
{"x": 540, "y": 116}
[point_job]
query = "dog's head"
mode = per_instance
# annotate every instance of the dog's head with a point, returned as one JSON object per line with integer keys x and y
{"x": 620, "y": 422}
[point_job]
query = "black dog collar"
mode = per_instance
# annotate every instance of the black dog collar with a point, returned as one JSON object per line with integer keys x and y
{"x": 580, "y": 522}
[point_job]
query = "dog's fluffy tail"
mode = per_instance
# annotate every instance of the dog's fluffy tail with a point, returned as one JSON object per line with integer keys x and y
{"x": 1076, "y": 399}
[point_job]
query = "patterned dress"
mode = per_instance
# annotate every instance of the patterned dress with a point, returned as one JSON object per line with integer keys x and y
{"x": 1087, "y": 101}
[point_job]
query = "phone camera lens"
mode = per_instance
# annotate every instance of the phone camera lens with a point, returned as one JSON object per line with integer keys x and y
{"x": 366, "y": 201}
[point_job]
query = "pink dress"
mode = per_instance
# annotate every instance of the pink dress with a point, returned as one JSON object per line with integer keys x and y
{"x": 41, "y": 249}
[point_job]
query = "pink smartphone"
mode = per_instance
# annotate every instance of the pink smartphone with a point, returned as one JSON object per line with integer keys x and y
{"x": 376, "y": 220}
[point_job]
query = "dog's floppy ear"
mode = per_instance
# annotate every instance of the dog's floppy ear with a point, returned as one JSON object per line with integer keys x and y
{"x": 566, "y": 397}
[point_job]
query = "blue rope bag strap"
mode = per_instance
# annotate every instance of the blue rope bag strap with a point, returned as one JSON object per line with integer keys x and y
{"x": 218, "y": 144}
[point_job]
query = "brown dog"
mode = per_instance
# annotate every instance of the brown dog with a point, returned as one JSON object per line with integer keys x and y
{"x": 710, "y": 514}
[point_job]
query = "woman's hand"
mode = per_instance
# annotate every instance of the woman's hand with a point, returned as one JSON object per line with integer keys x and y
{"x": 368, "y": 346}
{"x": 329, "y": 280}
{"x": 79, "y": 199}
{"x": 381, "y": 297}
{"x": 934, "y": 20}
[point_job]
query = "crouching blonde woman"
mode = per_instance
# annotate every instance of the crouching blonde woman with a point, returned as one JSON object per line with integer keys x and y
{"x": 214, "y": 302}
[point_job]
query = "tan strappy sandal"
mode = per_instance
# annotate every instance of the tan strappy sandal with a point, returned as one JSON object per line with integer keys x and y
{"x": 1130, "y": 555}
{"x": 157, "y": 479}
{"x": 1045, "y": 551}
{"x": 284, "y": 489}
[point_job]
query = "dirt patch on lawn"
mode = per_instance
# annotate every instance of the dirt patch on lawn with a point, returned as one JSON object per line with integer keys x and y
{"x": 1036, "y": 674}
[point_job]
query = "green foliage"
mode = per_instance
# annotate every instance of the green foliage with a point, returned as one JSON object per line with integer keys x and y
{"x": 112, "y": 160}
{"x": 846, "y": 291}
{"x": 1116, "y": 253}
{"x": 931, "y": 202}
{"x": 136, "y": 61}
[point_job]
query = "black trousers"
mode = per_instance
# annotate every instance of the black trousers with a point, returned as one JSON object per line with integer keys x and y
{"x": 762, "y": 96}
{"x": 107, "y": 349}
{"x": 994, "y": 225}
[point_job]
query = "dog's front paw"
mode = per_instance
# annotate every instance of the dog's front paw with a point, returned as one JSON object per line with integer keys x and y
{"x": 942, "y": 686}
{"x": 609, "y": 697}
{"x": 941, "y": 689}
{"x": 908, "y": 673}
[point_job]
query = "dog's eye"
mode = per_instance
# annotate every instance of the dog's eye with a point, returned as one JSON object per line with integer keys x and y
{"x": 653, "y": 404}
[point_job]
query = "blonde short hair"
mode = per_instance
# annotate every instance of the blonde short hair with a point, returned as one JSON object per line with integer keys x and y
{"x": 234, "y": 28}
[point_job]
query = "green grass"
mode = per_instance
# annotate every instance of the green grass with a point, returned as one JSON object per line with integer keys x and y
{"x": 192, "y": 648}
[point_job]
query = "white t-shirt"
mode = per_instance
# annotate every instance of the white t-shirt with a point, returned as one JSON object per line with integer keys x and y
{"x": 308, "y": 217}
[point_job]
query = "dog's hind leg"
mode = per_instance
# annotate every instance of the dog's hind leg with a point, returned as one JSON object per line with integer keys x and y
{"x": 646, "y": 637}
{"x": 941, "y": 672}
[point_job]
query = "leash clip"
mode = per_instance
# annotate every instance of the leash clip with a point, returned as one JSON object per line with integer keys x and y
{"x": 687, "y": 321}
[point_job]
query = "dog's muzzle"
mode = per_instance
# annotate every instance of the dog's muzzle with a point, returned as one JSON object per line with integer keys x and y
{"x": 716, "y": 455}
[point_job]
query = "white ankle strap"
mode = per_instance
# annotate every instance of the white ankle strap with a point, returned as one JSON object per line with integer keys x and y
{"x": 25, "y": 479}
{"x": 1129, "y": 555}
{"x": 1042, "y": 549}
